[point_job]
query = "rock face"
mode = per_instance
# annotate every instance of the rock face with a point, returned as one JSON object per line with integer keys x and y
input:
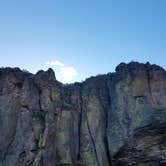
{"x": 107, "y": 120}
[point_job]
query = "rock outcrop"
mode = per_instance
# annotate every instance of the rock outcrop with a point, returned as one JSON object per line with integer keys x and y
{"x": 108, "y": 120}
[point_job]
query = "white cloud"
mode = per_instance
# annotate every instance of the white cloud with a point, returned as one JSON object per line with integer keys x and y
{"x": 67, "y": 74}
{"x": 54, "y": 63}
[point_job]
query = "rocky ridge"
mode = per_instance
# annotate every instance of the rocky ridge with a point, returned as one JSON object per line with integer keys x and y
{"x": 108, "y": 120}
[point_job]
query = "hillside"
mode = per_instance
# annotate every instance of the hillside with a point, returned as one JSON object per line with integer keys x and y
{"x": 108, "y": 120}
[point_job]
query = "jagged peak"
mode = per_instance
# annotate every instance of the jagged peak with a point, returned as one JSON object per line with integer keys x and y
{"x": 49, "y": 74}
{"x": 121, "y": 68}
{"x": 134, "y": 65}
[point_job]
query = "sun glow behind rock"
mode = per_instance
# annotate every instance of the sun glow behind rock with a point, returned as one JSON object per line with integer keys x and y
{"x": 65, "y": 73}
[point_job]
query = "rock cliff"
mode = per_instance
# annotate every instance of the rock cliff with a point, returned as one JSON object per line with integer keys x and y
{"x": 108, "y": 120}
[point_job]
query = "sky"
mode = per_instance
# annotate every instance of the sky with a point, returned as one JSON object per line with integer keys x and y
{"x": 81, "y": 38}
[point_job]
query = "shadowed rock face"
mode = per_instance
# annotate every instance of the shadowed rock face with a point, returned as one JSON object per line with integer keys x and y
{"x": 107, "y": 120}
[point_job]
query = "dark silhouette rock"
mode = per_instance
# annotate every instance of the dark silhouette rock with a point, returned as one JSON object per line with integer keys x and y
{"x": 108, "y": 120}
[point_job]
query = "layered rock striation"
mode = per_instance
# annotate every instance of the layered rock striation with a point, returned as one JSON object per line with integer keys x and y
{"x": 108, "y": 120}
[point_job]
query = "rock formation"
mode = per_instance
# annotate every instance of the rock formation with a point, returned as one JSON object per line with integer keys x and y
{"x": 117, "y": 119}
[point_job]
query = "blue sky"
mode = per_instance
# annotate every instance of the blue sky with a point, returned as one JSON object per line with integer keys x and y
{"x": 80, "y": 38}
